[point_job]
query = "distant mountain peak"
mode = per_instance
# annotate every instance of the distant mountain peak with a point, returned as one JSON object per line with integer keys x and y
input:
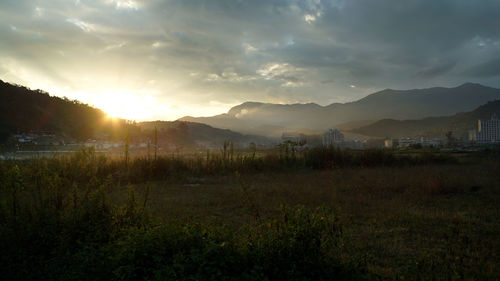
{"x": 472, "y": 85}
{"x": 250, "y": 104}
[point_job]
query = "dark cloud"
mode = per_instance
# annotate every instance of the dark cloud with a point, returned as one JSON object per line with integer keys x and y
{"x": 436, "y": 70}
{"x": 486, "y": 69}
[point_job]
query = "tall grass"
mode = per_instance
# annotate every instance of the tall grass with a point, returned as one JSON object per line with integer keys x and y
{"x": 54, "y": 228}
{"x": 58, "y": 222}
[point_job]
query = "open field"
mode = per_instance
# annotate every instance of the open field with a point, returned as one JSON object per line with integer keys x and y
{"x": 439, "y": 220}
{"x": 400, "y": 219}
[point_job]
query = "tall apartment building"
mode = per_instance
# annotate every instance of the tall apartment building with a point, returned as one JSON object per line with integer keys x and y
{"x": 488, "y": 131}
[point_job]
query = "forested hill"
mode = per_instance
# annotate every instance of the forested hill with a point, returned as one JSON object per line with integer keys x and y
{"x": 24, "y": 110}
{"x": 183, "y": 133}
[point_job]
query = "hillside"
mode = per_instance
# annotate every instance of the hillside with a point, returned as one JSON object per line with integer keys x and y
{"x": 183, "y": 133}
{"x": 24, "y": 110}
{"x": 251, "y": 117}
{"x": 459, "y": 124}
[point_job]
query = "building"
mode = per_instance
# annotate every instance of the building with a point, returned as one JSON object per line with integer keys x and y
{"x": 488, "y": 131}
{"x": 388, "y": 143}
{"x": 472, "y": 136}
{"x": 333, "y": 137}
{"x": 407, "y": 142}
{"x": 423, "y": 142}
{"x": 431, "y": 142}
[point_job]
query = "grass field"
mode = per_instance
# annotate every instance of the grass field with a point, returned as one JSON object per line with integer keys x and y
{"x": 399, "y": 221}
{"x": 271, "y": 218}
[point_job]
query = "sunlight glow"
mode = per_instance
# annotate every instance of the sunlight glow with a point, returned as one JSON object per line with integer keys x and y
{"x": 126, "y": 104}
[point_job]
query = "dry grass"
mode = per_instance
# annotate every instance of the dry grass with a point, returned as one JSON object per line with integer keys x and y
{"x": 400, "y": 221}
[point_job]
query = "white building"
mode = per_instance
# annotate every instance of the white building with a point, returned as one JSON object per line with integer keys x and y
{"x": 488, "y": 131}
{"x": 333, "y": 137}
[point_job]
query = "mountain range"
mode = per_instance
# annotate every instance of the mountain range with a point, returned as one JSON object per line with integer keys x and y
{"x": 273, "y": 119}
{"x": 388, "y": 113}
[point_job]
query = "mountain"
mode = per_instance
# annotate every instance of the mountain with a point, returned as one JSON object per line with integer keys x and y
{"x": 272, "y": 119}
{"x": 459, "y": 124}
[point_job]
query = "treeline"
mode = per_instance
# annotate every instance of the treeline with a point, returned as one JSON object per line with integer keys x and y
{"x": 23, "y": 110}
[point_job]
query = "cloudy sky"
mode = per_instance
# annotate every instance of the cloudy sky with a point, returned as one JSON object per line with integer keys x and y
{"x": 163, "y": 59}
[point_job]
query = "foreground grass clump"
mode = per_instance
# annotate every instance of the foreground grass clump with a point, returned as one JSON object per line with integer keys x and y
{"x": 109, "y": 245}
{"x": 301, "y": 245}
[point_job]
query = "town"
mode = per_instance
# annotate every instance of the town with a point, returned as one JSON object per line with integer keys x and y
{"x": 486, "y": 134}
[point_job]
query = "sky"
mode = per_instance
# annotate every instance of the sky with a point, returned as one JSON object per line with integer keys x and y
{"x": 165, "y": 59}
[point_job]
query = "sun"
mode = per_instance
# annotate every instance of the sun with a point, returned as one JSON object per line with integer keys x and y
{"x": 126, "y": 104}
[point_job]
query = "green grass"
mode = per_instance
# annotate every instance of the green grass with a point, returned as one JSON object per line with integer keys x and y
{"x": 323, "y": 214}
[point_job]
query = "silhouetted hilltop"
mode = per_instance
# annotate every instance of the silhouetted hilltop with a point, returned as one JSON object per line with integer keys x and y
{"x": 459, "y": 124}
{"x": 249, "y": 117}
{"x": 23, "y": 110}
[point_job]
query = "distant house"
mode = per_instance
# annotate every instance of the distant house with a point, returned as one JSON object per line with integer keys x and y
{"x": 90, "y": 143}
{"x": 430, "y": 142}
{"x": 39, "y": 138}
{"x": 407, "y": 142}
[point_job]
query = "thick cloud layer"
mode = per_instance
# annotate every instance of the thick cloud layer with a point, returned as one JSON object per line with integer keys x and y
{"x": 182, "y": 57}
